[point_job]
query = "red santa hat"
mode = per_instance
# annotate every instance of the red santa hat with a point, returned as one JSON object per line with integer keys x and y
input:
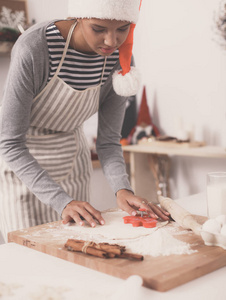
{"x": 125, "y": 82}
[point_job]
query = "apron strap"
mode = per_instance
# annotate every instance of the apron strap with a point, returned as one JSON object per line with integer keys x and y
{"x": 102, "y": 75}
{"x": 66, "y": 47}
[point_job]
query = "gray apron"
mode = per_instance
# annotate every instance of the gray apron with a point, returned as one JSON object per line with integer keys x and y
{"x": 57, "y": 141}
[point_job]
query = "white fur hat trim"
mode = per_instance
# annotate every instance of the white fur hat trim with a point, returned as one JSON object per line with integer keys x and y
{"x": 128, "y": 84}
{"x": 121, "y": 10}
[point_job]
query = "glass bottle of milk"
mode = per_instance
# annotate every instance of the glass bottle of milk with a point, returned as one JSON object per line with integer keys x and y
{"x": 216, "y": 194}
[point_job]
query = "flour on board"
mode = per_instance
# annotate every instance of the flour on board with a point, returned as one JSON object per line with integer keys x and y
{"x": 146, "y": 241}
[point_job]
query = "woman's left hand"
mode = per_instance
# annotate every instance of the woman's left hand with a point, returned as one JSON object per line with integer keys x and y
{"x": 130, "y": 203}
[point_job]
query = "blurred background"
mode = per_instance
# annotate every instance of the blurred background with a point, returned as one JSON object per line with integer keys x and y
{"x": 182, "y": 61}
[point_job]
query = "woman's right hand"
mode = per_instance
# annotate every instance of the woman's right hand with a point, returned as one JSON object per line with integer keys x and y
{"x": 76, "y": 210}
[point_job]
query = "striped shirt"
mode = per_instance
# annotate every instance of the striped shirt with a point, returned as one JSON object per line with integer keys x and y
{"x": 79, "y": 70}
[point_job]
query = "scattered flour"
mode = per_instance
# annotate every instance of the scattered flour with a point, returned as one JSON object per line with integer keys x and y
{"x": 159, "y": 243}
{"x": 7, "y": 290}
{"x": 127, "y": 290}
{"x": 13, "y": 291}
{"x": 48, "y": 293}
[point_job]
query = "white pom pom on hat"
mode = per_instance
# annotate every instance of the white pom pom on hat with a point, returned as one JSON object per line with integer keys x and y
{"x": 125, "y": 82}
{"x": 128, "y": 84}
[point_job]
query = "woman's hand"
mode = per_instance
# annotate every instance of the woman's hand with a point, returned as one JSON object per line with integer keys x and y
{"x": 76, "y": 210}
{"x": 130, "y": 203}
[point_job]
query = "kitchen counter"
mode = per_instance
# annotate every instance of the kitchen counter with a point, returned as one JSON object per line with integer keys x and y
{"x": 28, "y": 272}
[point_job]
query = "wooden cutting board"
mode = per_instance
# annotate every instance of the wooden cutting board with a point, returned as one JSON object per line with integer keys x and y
{"x": 160, "y": 273}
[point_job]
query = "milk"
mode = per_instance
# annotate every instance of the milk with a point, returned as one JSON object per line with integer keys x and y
{"x": 216, "y": 200}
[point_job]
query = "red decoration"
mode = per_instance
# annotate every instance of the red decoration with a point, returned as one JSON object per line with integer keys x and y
{"x": 144, "y": 116}
{"x": 144, "y": 119}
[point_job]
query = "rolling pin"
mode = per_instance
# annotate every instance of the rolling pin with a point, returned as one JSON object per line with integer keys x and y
{"x": 180, "y": 215}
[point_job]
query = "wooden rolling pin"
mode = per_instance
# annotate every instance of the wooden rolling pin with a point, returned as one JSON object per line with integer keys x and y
{"x": 180, "y": 215}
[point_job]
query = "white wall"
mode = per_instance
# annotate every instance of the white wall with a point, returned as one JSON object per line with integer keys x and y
{"x": 44, "y": 10}
{"x": 182, "y": 67}
{"x": 184, "y": 71}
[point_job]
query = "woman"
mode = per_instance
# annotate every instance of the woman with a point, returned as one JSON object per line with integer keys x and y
{"x": 60, "y": 74}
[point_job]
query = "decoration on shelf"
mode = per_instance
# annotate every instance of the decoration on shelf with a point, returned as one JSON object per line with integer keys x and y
{"x": 220, "y": 21}
{"x": 10, "y": 19}
{"x": 13, "y": 22}
{"x": 9, "y": 35}
{"x": 144, "y": 127}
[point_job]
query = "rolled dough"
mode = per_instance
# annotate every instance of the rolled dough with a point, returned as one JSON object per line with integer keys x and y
{"x": 114, "y": 228}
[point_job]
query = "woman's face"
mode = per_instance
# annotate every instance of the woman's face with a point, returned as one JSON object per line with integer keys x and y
{"x": 103, "y": 37}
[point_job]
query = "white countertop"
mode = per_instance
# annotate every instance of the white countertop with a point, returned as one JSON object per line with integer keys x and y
{"x": 25, "y": 272}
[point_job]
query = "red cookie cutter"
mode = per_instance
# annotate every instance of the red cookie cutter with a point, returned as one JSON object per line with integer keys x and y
{"x": 137, "y": 221}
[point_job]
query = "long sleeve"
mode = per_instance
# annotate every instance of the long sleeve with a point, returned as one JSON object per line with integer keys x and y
{"x": 26, "y": 78}
{"x": 110, "y": 119}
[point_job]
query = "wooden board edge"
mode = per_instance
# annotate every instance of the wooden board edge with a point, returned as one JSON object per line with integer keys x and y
{"x": 162, "y": 285}
{"x": 81, "y": 259}
{"x": 169, "y": 284}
